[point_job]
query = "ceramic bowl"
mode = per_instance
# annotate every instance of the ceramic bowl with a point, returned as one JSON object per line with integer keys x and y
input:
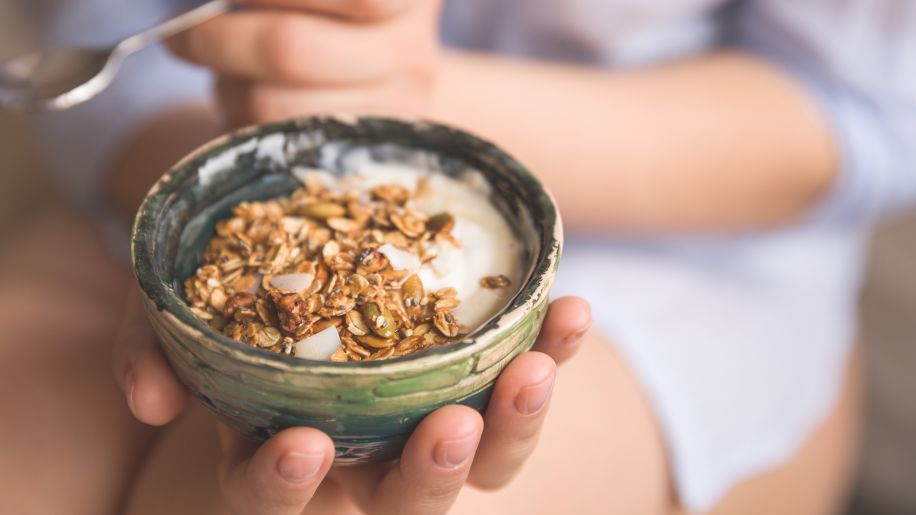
{"x": 368, "y": 409}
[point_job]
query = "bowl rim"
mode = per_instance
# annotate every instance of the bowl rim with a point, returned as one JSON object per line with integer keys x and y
{"x": 160, "y": 296}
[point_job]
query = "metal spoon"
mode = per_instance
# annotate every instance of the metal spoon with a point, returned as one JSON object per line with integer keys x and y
{"x": 59, "y": 78}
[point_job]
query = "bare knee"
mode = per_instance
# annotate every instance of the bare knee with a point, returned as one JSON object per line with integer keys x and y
{"x": 600, "y": 451}
{"x": 59, "y": 298}
{"x": 816, "y": 479}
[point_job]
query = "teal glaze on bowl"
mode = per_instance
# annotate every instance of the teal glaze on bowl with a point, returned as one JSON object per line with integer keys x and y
{"x": 369, "y": 409}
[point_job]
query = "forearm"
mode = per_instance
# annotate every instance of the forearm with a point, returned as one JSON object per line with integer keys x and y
{"x": 151, "y": 149}
{"x": 722, "y": 142}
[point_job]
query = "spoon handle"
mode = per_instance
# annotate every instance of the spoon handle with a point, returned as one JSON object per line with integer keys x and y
{"x": 173, "y": 26}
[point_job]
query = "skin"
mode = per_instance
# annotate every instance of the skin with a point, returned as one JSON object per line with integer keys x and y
{"x": 744, "y": 147}
{"x": 452, "y": 446}
{"x": 70, "y": 444}
{"x": 721, "y": 142}
{"x": 63, "y": 413}
{"x": 440, "y": 458}
{"x": 381, "y": 56}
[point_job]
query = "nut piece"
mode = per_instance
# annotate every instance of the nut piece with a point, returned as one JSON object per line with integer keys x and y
{"x": 218, "y": 299}
{"x": 410, "y": 225}
{"x": 330, "y": 249}
{"x": 495, "y": 281}
{"x": 291, "y": 309}
{"x": 390, "y": 193}
{"x": 443, "y": 222}
{"x": 238, "y": 301}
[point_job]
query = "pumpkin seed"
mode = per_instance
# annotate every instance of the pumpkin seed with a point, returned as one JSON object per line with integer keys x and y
{"x": 342, "y": 224}
{"x": 408, "y": 224}
{"x": 390, "y": 193}
{"x": 443, "y": 222}
{"x": 322, "y": 210}
{"x": 412, "y": 291}
{"x": 379, "y": 320}
{"x": 446, "y": 324}
{"x": 375, "y": 342}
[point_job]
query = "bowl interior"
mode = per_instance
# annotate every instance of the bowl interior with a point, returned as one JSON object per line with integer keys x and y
{"x": 178, "y": 217}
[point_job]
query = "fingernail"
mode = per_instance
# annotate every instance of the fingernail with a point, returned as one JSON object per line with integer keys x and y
{"x": 129, "y": 388}
{"x": 532, "y": 398}
{"x": 451, "y": 454}
{"x": 297, "y": 467}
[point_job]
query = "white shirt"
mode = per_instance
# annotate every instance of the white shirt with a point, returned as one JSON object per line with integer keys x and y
{"x": 739, "y": 342}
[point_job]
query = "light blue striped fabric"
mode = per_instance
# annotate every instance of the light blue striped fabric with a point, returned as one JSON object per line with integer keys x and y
{"x": 739, "y": 342}
{"x": 78, "y": 143}
{"x": 858, "y": 59}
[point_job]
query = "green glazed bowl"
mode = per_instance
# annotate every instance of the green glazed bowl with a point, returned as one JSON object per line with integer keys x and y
{"x": 368, "y": 409}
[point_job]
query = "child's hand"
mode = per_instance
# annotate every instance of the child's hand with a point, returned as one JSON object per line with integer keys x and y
{"x": 450, "y": 447}
{"x": 281, "y": 58}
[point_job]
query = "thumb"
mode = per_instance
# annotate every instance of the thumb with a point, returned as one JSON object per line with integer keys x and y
{"x": 153, "y": 392}
{"x": 279, "y": 477}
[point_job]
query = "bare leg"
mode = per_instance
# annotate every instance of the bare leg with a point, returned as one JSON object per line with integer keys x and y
{"x": 70, "y": 446}
{"x": 600, "y": 452}
{"x": 817, "y": 480}
{"x": 68, "y": 443}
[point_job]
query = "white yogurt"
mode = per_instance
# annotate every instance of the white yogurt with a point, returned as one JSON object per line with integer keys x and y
{"x": 488, "y": 245}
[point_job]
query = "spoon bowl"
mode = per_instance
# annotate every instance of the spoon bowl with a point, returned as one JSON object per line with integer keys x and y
{"x": 60, "y": 78}
{"x": 56, "y": 78}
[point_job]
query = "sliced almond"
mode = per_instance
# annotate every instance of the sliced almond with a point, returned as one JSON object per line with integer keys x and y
{"x": 292, "y": 283}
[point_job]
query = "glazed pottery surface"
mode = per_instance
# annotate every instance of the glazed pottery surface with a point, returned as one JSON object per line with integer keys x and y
{"x": 369, "y": 409}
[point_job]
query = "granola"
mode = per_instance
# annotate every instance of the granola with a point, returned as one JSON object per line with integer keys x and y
{"x": 493, "y": 282}
{"x": 331, "y": 269}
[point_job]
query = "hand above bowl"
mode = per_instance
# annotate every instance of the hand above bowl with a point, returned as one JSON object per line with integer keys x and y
{"x": 451, "y": 446}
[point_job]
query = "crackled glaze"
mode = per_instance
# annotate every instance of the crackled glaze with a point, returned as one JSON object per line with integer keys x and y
{"x": 368, "y": 409}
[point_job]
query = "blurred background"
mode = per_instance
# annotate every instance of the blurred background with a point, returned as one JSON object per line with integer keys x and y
{"x": 886, "y": 482}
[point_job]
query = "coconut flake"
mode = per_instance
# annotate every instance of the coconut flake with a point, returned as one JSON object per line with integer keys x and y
{"x": 307, "y": 175}
{"x": 293, "y": 224}
{"x": 319, "y": 345}
{"x": 400, "y": 259}
{"x": 292, "y": 282}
